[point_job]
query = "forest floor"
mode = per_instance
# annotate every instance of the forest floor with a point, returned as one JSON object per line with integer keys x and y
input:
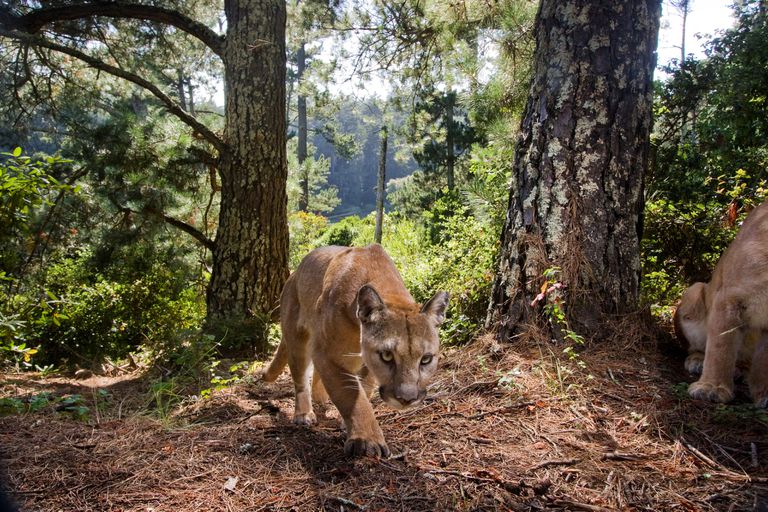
{"x": 514, "y": 427}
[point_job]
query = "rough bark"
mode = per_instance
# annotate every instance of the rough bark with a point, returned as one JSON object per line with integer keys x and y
{"x": 251, "y": 254}
{"x": 577, "y": 185}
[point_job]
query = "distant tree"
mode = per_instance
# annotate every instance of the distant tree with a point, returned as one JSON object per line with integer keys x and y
{"x": 308, "y": 22}
{"x": 250, "y": 250}
{"x": 711, "y": 129}
{"x": 308, "y": 183}
{"x": 577, "y": 181}
{"x": 443, "y": 134}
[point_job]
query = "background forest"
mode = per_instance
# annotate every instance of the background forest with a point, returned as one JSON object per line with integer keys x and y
{"x": 110, "y": 197}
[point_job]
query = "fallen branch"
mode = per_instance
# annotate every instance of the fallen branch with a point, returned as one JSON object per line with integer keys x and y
{"x": 501, "y": 410}
{"x": 621, "y": 456}
{"x": 582, "y": 506}
{"x": 556, "y": 462}
{"x": 721, "y": 470}
{"x": 346, "y": 502}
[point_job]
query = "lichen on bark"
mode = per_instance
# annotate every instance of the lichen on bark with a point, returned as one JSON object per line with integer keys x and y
{"x": 581, "y": 155}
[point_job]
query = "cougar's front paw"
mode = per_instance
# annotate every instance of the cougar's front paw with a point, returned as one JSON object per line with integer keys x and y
{"x": 356, "y": 447}
{"x": 694, "y": 363}
{"x": 306, "y": 419}
{"x": 712, "y": 392}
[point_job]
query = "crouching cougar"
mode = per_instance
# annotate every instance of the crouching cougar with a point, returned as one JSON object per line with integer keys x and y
{"x": 347, "y": 313}
{"x": 726, "y": 320}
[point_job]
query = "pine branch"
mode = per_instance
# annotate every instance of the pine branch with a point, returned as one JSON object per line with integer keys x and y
{"x": 183, "y": 226}
{"x": 190, "y": 230}
{"x": 35, "y": 20}
{"x": 95, "y": 63}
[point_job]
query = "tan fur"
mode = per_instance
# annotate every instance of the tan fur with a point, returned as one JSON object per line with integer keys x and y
{"x": 725, "y": 321}
{"x": 346, "y": 312}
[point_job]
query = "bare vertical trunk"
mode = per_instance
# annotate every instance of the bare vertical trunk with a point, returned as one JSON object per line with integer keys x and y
{"x": 380, "y": 186}
{"x": 682, "y": 37}
{"x": 450, "y": 128}
{"x": 301, "y": 152}
{"x": 250, "y": 259}
{"x": 180, "y": 92}
{"x": 577, "y": 184}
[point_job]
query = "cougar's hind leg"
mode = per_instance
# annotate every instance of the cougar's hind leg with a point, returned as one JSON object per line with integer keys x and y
{"x": 296, "y": 342}
{"x": 300, "y": 363}
{"x": 319, "y": 394}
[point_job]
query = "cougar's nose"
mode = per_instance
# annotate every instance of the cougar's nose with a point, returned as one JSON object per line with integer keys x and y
{"x": 407, "y": 395}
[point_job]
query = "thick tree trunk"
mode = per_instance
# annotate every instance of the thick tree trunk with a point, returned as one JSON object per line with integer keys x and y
{"x": 577, "y": 185}
{"x": 250, "y": 258}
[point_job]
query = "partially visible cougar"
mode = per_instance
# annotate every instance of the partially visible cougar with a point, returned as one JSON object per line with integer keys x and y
{"x": 347, "y": 311}
{"x": 726, "y": 320}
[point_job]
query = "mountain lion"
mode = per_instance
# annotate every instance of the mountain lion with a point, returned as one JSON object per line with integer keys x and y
{"x": 726, "y": 320}
{"x": 346, "y": 312}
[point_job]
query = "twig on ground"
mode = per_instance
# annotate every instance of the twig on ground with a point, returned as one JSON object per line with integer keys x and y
{"x": 346, "y": 502}
{"x": 501, "y": 410}
{"x": 582, "y": 506}
{"x": 614, "y": 455}
{"x": 557, "y": 462}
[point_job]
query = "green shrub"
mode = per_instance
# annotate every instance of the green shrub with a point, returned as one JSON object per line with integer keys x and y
{"x": 86, "y": 317}
{"x": 681, "y": 244}
{"x": 306, "y": 229}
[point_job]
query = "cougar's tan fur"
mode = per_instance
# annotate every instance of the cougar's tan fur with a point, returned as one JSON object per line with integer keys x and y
{"x": 726, "y": 320}
{"x": 346, "y": 312}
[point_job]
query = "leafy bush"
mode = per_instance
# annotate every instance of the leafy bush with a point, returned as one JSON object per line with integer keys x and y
{"x": 26, "y": 185}
{"x": 461, "y": 263}
{"x": 350, "y": 231}
{"x": 681, "y": 244}
{"x": 94, "y": 316}
{"x": 306, "y": 229}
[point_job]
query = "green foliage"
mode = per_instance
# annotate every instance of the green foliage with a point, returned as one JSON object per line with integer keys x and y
{"x": 350, "y": 231}
{"x": 552, "y": 299}
{"x": 26, "y": 186}
{"x": 74, "y": 406}
{"x": 323, "y": 198}
{"x": 442, "y": 133}
{"x": 681, "y": 244}
{"x": 712, "y": 116}
{"x": 85, "y": 316}
{"x": 711, "y": 156}
{"x": 305, "y": 229}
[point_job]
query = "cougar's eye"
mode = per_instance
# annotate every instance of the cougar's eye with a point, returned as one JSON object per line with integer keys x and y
{"x": 386, "y": 356}
{"x": 426, "y": 359}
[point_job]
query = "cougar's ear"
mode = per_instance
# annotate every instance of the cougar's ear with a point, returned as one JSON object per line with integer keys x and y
{"x": 370, "y": 307}
{"x": 692, "y": 307}
{"x": 435, "y": 307}
{"x": 694, "y": 301}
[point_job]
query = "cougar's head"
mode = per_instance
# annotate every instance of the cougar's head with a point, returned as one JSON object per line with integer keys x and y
{"x": 690, "y": 318}
{"x": 400, "y": 345}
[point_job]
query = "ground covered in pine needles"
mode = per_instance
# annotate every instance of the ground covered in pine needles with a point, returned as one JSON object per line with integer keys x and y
{"x": 507, "y": 427}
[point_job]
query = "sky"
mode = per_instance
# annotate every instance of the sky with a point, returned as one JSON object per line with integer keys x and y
{"x": 704, "y": 17}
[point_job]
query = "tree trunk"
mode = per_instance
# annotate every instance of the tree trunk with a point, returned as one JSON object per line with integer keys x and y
{"x": 450, "y": 146}
{"x": 380, "y": 187}
{"x": 577, "y": 184}
{"x": 301, "y": 152}
{"x": 250, "y": 258}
